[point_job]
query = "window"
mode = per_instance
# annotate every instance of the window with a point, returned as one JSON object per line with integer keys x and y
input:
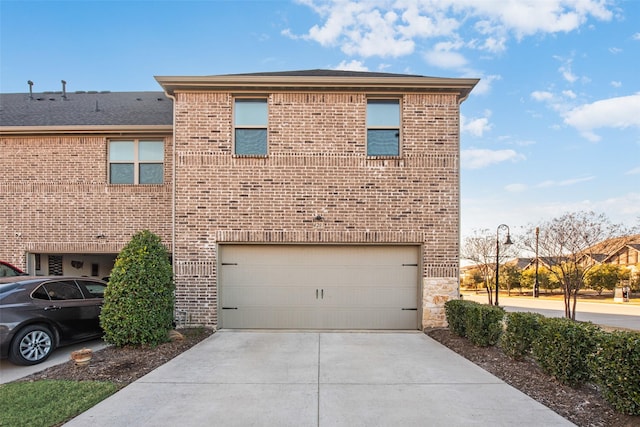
{"x": 250, "y": 127}
{"x": 62, "y": 290}
{"x": 136, "y": 162}
{"x": 383, "y": 127}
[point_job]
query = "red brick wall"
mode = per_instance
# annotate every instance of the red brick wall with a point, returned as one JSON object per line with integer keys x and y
{"x": 317, "y": 165}
{"x": 54, "y": 198}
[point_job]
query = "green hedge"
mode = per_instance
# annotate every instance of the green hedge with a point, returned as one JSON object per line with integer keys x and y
{"x": 521, "y": 329}
{"x": 484, "y": 324}
{"x": 616, "y": 369}
{"x": 456, "y": 313}
{"x": 480, "y": 323}
{"x": 563, "y": 348}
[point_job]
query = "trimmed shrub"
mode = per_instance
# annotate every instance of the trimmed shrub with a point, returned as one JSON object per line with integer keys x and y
{"x": 521, "y": 329}
{"x": 139, "y": 300}
{"x": 616, "y": 369}
{"x": 455, "y": 311}
{"x": 563, "y": 348}
{"x": 484, "y": 324}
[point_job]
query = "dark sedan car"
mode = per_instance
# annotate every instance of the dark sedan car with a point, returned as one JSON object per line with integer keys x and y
{"x": 8, "y": 270}
{"x": 40, "y": 313}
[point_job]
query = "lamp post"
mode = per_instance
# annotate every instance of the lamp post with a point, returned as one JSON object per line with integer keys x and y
{"x": 506, "y": 242}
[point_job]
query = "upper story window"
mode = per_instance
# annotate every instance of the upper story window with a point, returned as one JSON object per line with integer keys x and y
{"x": 250, "y": 127}
{"x": 136, "y": 162}
{"x": 383, "y": 127}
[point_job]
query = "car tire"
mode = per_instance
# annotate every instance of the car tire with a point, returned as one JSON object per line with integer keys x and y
{"x": 31, "y": 345}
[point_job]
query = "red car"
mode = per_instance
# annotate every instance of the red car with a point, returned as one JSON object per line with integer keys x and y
{"x": 8, "y": 270}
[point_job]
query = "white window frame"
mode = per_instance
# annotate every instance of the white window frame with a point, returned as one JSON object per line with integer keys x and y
{"x": 136, "y": 160}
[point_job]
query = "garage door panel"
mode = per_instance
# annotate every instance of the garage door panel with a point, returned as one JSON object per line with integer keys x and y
{"x": 367, "y": 297}
{"x": 335, "y": 287}
{"x": 273, "y": 296}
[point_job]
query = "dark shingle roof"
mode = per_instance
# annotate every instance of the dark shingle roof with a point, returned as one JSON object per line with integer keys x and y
{"x": 86, "y": 109}
{"x": 325, "y": 73}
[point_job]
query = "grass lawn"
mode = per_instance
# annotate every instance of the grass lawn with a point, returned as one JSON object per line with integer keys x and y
{"x": 49, "y": 402}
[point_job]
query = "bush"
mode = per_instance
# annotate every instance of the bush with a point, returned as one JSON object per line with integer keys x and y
{"x": 520, "y": 332}
{"x": 563, "y": 348}
{"x": 616, "y": 369}
{"x": 139, "y": 301}
{"x": 484, "y": 324}
{"x": 455, "y": 311}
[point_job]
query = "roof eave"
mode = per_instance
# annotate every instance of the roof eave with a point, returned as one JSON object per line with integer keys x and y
{"x": 173, "y": 84}
{"x": 85, "y": 130}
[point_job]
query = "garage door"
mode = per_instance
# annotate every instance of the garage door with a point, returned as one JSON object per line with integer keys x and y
{"x": 318, "y": 287}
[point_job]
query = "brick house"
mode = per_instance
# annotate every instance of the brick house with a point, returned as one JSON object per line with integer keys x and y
{"x": 310, "y": 199}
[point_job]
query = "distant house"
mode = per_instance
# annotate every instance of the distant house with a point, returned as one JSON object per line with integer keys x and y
{"x": 309, "y": 199}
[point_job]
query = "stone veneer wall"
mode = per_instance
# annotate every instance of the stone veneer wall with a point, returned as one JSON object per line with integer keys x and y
{"x": 317, "y": 165}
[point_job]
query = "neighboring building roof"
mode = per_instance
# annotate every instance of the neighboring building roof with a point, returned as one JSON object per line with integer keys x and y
{"x": 85, "y": 109}
{"x": 320, "y": 80}
{"x": 100, "y": 112}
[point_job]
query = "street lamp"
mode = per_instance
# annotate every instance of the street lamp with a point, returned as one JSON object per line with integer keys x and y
{"x": 506, "y": 242}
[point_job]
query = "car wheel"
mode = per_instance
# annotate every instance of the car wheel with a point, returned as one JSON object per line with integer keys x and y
{"x": 32, "y": 345}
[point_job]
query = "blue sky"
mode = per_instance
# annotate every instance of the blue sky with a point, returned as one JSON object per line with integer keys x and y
{"x": 553, "y": 126}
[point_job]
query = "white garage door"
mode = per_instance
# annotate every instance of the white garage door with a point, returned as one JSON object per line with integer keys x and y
{"x": 318, "y": 287}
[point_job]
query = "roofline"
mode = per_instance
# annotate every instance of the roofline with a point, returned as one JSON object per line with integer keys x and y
{"x": 84, "y": 130}
{"x": 173, "y": 84}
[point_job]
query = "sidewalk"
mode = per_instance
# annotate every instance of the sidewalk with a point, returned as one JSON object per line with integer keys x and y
{"x": 619, "y": 315}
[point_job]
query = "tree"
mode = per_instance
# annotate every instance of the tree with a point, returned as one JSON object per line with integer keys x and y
{"x": 139, "y": 300}
{"x": 604, "y": 276}
{"x": 570, "y": 244}
{"x": 510, "y": 276}
{"x": 480, "y": 248}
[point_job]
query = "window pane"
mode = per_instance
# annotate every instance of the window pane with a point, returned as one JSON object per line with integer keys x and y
{"x": 383, "y": 142}
{"x": 121, "y": 150}
{"x": 63, "y": 290}
{"x": 251, "y": 112}
{"x": 151, "y": 151}
{"x": 251, "y": 141}
{"x": 151, "y": 173}
{"x": 383, "y": 112}
{"x": 121, "y": 173}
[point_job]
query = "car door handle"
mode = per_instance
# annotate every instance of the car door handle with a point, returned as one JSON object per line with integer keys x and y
{"x": 52, "y": 307}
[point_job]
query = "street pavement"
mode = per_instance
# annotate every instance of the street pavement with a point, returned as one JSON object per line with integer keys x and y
{"x": 619, "y": 315}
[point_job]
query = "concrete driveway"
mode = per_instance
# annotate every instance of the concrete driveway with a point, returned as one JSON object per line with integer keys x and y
{"x": 298, "y": 379}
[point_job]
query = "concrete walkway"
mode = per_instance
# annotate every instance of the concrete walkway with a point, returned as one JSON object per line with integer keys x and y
{"x": 332, "y": 379}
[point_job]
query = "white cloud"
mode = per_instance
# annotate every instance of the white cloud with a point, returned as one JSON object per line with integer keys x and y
{"x": 618, "y": 113}
{"x": 569, "y": 94}
{"x": 615, "y": 50}
{"x": 353, "y": 65}
{"x": 476, "y": 158}
{"x": 636, "y": 36}
{"x": 445, "y": 55}
{"x": 634, "y": 171}
{"x": 390, "y": 28}
{"x": 515, "y": 188}
{"x": 540, "y": 95}
{"x": 615, "y": 83}
{"x": 564, "y": 183}
{"x": 477, "y": 126}
{"x": 484, "y": 85}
